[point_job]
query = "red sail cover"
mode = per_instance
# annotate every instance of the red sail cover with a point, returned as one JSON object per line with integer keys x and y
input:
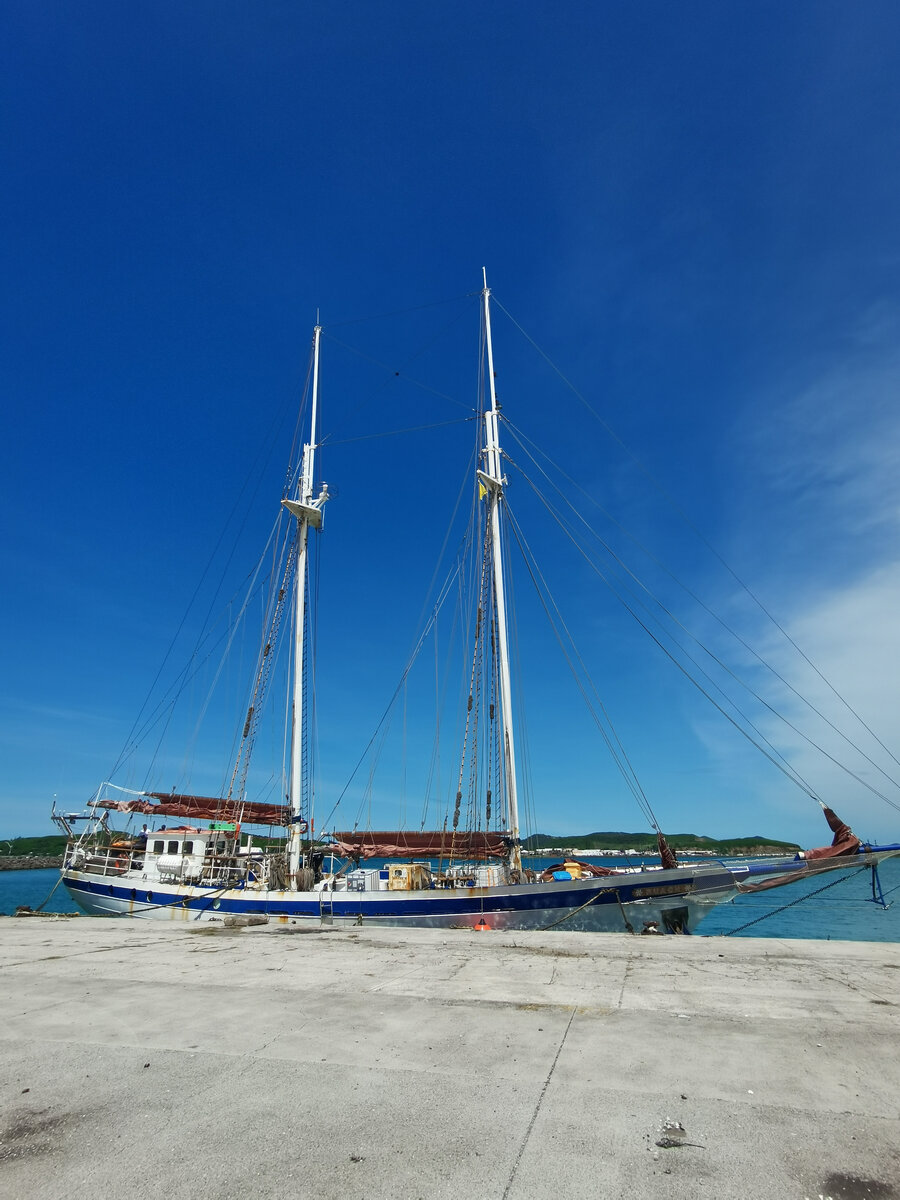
{"x": 845, "y": 840}
{"x": 203, "y": 808}
{"x": 401, "y": 843}
{"x": 666, "y": 853}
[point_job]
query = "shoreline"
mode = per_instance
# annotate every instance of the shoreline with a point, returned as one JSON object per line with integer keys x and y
{"x": 39, "y": 862}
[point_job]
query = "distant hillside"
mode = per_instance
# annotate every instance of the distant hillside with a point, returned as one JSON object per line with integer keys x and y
{"x": 54, "y": 844}
{"x": 646, "y": 842}
{"x": 40, "y": 847}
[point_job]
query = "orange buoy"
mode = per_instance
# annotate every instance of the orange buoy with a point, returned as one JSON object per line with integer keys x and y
{"x": 482, "y": 926}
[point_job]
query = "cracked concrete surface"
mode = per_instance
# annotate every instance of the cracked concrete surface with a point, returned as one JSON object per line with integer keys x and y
{"x": 140, "y": 1060}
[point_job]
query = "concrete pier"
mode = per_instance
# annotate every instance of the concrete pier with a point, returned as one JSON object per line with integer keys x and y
{"x": 143, "y": 1060}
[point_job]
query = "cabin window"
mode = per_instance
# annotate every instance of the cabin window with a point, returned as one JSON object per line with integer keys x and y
{"x": 173, "y": 848}
{"x": 189, "y": 847}
{"x": 159, "y": 847}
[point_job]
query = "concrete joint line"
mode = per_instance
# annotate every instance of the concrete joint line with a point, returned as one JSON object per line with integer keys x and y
{"x": 537, "y": 1107}
{"x": 379, "y": 987}
{"x": 625, "y": 975}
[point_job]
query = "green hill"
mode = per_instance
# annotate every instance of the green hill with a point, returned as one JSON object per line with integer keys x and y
{"x": 21, "y": 847}
{"x": 55, "y": 844}
{"x": 646, "y": 842}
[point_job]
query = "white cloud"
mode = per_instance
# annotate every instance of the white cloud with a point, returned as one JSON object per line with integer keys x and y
{"x": 852, "y": 636}
{"x": 828, "y": 462}
{"x": 833, "y": 448}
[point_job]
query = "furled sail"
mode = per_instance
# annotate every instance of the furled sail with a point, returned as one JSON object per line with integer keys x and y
{"x": 845, "y": 840}
{"x": 201, "y": 808}
{"x": 402, "y": 843}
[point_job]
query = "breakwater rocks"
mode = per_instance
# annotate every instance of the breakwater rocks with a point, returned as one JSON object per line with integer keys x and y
{"x": 31, "y": 862}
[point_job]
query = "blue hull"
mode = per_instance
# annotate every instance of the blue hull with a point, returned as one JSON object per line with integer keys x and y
{"x": 667, "y": 898}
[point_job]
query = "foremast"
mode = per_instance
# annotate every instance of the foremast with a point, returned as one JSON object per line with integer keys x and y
{"x": 308, "y": 512}
{"x": 493, "y": 480}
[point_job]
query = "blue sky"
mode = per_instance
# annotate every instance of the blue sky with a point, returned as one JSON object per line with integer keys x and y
{"x": 690, "y": 208}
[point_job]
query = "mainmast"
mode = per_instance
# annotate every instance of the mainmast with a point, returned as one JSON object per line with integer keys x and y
{"x": 493, "y": 481}
{"x": 309, "y": 515}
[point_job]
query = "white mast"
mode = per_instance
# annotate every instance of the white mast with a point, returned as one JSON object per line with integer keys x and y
{"x": 308, "y": 513}
{"x": 493, "y": 481}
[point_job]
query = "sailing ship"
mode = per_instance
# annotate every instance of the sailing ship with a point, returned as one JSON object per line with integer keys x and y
{"x": 222, "y": 861}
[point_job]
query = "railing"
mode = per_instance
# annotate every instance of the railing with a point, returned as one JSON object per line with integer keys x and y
{"x": 216, "y": 869}
{"x": 229, "y": 869}
{"x": 100, "y": 860}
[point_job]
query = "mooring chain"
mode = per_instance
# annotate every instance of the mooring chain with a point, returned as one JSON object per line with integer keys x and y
{"x": 799, "y": 900}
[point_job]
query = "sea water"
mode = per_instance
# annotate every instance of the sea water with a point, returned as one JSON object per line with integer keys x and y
{"x": 825, "y": 907}
{"x": 32, "y": 888}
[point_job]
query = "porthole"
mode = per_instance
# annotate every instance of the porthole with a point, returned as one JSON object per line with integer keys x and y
{"x": 111, "y": 892}
{"x": 149, "y": 897}
{"x": 134, "y": 893}
{"x": 217, "y": 903}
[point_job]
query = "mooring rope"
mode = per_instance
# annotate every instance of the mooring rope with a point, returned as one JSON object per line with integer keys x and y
{"x": 575, "y": 911}
{"x": 43, "y": 905}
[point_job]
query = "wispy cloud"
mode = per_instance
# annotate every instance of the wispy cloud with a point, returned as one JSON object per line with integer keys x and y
{"x": 48, "y": 712}
{"x": 827, "y": 462}
{"x": 832, "y": 448}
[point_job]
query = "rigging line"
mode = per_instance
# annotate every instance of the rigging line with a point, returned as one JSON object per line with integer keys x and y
{"x": 467, "y": 474}
{"x": 786, "y": 769}
{"x": 318, "y": 550}
{"x": 471, "y": 721}
{"x": 295, "y": 457}
{"x": 186, "y": 674}
{"x": 527, "y": 816}
{"x": 792, "y": 773}
{"x": 399, "y": 312}
{"x": 842, "y": 766}
{"x": 474, "y": 698}
{"x": 792, "y": 903}
{"x": 434, "y": 764}
{"x": 629, "y": 776}
{"x": 395, "y": 374}
{"x": 274, "y": 612}
{"x": 412, "y": 658}
{"x": 429, "y": 624}
{"x": 532, "y": 561}
{"x": 273, "y": 604}
{"x": 255, "y": 472}
{"x": 163, "y": 706}
{"x": 237, "y": 624}
{"x": 368, "y": 437}
{"x": 522, "y": 439}
{"x": 445, "y": 678}
{"x": 704, "y": 648}
{"x": 681, "y": 513}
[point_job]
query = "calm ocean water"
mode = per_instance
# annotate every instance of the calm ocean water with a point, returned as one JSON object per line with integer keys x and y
{"x": 843, "y": 911}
